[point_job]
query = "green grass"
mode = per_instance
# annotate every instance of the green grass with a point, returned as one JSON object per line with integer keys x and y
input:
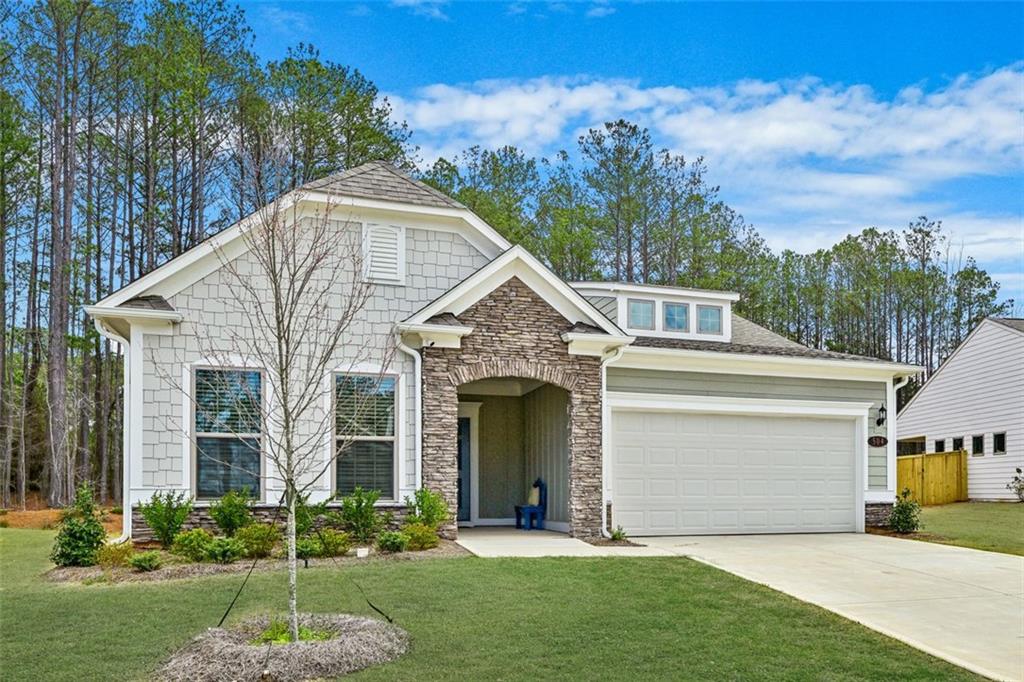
{"x": 470, "y": 618}
{"x": 993, "y": 526}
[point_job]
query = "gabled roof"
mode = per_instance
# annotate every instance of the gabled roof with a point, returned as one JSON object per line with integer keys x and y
{"x": 381, "y": 180}
{"x": 1014, "y": 323}
{"x": 517, "y": 262}
{"x": 148, "y": 303}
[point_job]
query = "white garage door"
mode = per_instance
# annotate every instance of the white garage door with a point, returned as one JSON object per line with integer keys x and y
{"x": 685, "y": 473}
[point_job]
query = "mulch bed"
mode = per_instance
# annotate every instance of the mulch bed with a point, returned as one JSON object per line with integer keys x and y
{"x": 181, "y": 569}
{"x": 608, "y": 542}
{"x": 228, "y": 654}
{"x": 919, "y": 535}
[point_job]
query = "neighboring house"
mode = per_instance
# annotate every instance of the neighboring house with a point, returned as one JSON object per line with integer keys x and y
{"x": 654, "y": 408}
{"x": 975, "y": 402}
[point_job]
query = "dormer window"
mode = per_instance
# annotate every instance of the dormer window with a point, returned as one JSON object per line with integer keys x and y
{"x": 677, "y": 317}
{"x": 709, "y": 319}
{"x": 640, "y": 313}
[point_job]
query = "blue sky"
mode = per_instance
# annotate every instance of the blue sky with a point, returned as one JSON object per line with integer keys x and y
{"x": 816, "y": 119}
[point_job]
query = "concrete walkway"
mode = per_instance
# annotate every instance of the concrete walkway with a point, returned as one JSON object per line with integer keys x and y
{"x": 962, "y": 605}
{"x": 502, "y": 541}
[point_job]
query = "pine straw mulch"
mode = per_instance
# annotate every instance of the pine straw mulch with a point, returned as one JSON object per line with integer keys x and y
{"x": 49, "y": 519}
{"x": 227, "y": 654}
{"x": 181, "y": 569}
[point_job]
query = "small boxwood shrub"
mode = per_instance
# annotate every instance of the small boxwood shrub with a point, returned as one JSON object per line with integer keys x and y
{"x": 421, "y": 536}
{"x": 232, "y": 511}
{"x": 359, "y": 516}
{"x": 392, "y": 541}
{"x": 115, "y": 555}
{"x": 332, "y": 542}
{"x": 307, "y": 548}
{"x": 225, "y": 550}
{"x": 426, "y": 507}
{"x": 258, "y": 539}
{"x": 192, "y": 544}
{"x": 906, "y": 514}
{"x": 145, "y": 561}
{"x": 166, "y": 513}
{"x": 81, "y": 534}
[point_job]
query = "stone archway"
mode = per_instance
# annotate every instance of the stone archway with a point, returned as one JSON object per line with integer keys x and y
{"x": 515, "y": 334}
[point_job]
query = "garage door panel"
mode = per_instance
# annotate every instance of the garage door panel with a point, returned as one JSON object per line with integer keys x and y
{"x": 690, "y": 473}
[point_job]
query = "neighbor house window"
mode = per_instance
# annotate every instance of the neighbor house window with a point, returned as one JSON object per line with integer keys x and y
{"x": 640, "y": 314}
{"x": 364, "y": 423}
{"x": 709, "y": 319}
{"x": 677, "y": 317}
{"x": 958, "y": 444}
{"x": 977, "y": 445}
{"x": 227, "y": 426}
{"x": 940, "y": 445}
{"x": 999, "y": 443}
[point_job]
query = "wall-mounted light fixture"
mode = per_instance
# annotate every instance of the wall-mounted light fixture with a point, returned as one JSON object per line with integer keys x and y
{"x": 881, "y": 416}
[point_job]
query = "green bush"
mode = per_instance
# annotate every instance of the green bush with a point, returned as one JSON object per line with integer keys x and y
{"x": 232, "y": 511}
{"x": 81, "y": 534}
{"x": 115, "y": 555}
{"x": 307, "y": 548}
{"x": 421, "y": 536}
{"x": 391, "y": 541}
{"x": 618, "y": 535}
{"x": 258, "y": 539}
{"x": 225, "y": 550}
{"x": 906, "y": 514}
{"x": 426, "y": 507}
{"x": 332, "y": 542}
{"x": 307, "y": 514}
{"x": 192, "y": 544}
{"x": 117, "y": 510}
{"x": 359, "y": 516}
{"x": 166, "y": 513}
{"x": 145, "y": 561}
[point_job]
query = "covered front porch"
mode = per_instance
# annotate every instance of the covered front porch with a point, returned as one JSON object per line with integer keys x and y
{"x": 511, "y": 432}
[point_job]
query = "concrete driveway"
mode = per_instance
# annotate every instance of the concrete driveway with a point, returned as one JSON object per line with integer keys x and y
{"x": 962, "y": 605}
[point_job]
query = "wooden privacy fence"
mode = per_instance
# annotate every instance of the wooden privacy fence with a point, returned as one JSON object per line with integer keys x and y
{"x": 940, "y": 478}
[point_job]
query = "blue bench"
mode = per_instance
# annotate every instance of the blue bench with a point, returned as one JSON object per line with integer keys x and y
{"x": 531, "y": 516}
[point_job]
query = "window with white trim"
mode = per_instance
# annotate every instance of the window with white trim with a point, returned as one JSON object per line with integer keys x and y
{"x": 384, "y": 253}
{"x": 709, "y": 319}
{"x": 999, "y": 443}
{"x": 640, "y": 313}
{"x": 676, "y": 317}
{"x": 364, "y": 443}
{"x": 227, "y": 423}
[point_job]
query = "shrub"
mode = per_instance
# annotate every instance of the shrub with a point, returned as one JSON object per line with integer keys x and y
{"x": 258, "y": 539}
{"x": 906, "y": 514}
{"x": 391, "y": 541}
{"x": 427, "y": 508}
{"x": 192, "y": 544}
{"x": 81, "y": 534}
{"x": 618, "y": 535}
{"x": 225, "y": 550}
{"x": 359, "y": 516}
{"x": 115, "y": 555}
{"x": 232, "y": 511}
{"x": 332, "y": 542}
{"x": 117, "y": 510}
{"x": 145, "y": 561}
{"x": 421, "y": 536}
{"x": 307, "y": 548}
{"x": 165, "y": 514}
{"x": 306, "y": 515}
{"x": 1016, "y": 485}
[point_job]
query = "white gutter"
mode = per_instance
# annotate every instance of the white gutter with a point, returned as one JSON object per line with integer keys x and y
{"x": 605, "y": 431}
{"x": 873, "y": 365}
{"x": 418, "y": 404}
{"x": 126, "y": 501}
{"x": 96, "y": 311}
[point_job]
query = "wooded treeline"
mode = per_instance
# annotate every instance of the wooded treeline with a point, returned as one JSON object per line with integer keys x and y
{"x": 129, "y": 131}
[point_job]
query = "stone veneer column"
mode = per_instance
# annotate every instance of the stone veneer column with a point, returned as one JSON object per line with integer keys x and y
{"x": 515, "y": 334}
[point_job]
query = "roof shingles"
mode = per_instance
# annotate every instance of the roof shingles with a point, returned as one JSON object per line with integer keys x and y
{"x": 381, "y": 180}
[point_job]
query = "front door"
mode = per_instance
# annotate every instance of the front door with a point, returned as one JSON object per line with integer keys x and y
{"x": 463, "y": 449}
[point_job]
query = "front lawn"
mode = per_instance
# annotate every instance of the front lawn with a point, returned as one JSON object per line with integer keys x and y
{"x": 994, "y": 526}
{"x": 470, "y": 618}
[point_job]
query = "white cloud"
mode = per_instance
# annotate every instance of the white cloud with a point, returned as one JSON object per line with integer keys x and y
{"x": 806, "y": 161}
{"x": 285, "y": 21}
{"x": 600, "y": 10}
{"x": 432, "y": 9}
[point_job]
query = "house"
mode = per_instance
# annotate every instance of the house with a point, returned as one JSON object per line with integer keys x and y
{"x": 974, "y": 402}
{"x": 657, "y": 409}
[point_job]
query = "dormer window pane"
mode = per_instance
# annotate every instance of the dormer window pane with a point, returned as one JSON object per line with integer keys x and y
{"x": 709, "y": 319}
{"x": 640, "y": 314}
{"x": 677, "y": 317}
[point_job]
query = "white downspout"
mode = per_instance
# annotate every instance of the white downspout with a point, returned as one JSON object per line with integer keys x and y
{"x": 126, "y": 502}
{"x": 891, "y": 433}
{"x": 417, "y": 404}
{"x": 605, "y": 432}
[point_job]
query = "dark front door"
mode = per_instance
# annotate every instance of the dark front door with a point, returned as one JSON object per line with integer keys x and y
{"x": 463, "y": 447}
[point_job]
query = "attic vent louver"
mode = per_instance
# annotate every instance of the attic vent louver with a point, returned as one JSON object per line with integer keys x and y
{"x": 384, "y": 253}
